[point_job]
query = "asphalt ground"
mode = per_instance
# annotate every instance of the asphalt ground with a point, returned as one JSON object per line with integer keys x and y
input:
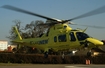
{"x": 50, "y": 66}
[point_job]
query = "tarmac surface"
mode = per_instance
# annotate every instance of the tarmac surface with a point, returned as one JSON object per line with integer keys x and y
{"x": 50, "y": 66}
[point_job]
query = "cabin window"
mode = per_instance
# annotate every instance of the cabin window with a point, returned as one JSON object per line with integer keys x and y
{"x": 62, "y": 38}
{"x": 55, "y": 39}
{"x": 81, "y": 36}
{"x": 72, "y": 37}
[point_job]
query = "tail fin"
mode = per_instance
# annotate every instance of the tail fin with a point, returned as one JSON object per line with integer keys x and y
{"x": 18, "y": 37}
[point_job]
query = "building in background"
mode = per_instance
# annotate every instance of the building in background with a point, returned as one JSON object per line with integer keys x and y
{"x": 3, "y": 45}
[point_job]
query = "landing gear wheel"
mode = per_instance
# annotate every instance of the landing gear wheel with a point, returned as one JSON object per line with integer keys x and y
{"x": 46, "y": 54}
{"x": 86, "y": 44}
{"x": 89, "y": 53}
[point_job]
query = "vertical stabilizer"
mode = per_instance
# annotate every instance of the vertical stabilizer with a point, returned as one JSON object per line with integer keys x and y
{"x": 18, "y": 37}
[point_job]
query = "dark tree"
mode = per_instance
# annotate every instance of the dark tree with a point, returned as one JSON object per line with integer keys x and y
{"x": 32, "y": 30}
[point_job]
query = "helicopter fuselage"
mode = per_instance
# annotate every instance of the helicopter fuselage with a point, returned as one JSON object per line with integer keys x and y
{"x": 61, "y": 37}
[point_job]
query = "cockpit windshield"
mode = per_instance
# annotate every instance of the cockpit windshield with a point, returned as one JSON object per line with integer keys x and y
{"x": 81, "y": 36}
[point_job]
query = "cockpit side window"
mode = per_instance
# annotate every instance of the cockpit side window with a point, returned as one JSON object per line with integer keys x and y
{"x": 62, "y": 38}
{"x": 55, "y": 39}
{"x": 72, "y": 37}
{"x": 81, "y": 36}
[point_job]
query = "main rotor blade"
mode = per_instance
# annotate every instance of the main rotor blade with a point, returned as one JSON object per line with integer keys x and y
{"x": 27, "y": 12}
{"x": 100, "y": 27}
{"x": 91, "y": 13}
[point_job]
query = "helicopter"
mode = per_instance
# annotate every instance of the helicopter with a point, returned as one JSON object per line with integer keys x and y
{"x": 60, "y": 36}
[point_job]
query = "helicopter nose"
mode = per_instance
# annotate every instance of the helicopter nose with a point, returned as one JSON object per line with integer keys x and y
{"x": 95, "y": 42}
{"x": 99, "y": 43}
